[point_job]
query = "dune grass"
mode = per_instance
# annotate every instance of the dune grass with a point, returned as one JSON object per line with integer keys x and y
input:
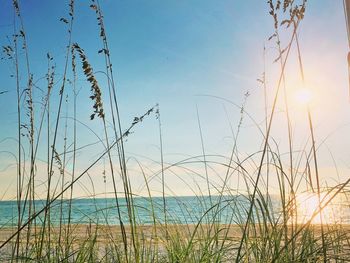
{"x": 245, "y": 223}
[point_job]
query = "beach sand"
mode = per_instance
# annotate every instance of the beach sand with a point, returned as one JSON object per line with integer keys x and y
{"x": 148, "y": 234}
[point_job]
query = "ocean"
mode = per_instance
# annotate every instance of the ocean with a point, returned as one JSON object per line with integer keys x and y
{"x": 179, "y": 210}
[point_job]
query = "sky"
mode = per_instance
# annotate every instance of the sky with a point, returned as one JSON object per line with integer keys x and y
{"x": 185, "y": 55}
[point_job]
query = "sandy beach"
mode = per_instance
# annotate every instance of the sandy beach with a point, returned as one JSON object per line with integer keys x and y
{"x": 149, "y": 233}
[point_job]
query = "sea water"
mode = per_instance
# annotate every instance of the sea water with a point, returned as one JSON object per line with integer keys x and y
{"x": 176, "y": 210}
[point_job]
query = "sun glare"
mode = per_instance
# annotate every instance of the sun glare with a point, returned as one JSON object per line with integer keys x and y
{"x": 308, "y": 204}
{"x": 303, "y": 96}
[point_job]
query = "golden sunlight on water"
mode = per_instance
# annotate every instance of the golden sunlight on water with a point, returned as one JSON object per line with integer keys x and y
{"x": 336, "y": 212}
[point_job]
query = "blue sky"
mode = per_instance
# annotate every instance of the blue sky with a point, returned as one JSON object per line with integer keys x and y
{"x": 173, "y": 53}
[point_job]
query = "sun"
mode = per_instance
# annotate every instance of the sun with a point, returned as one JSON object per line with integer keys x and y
{"x": 303, "y": 96}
